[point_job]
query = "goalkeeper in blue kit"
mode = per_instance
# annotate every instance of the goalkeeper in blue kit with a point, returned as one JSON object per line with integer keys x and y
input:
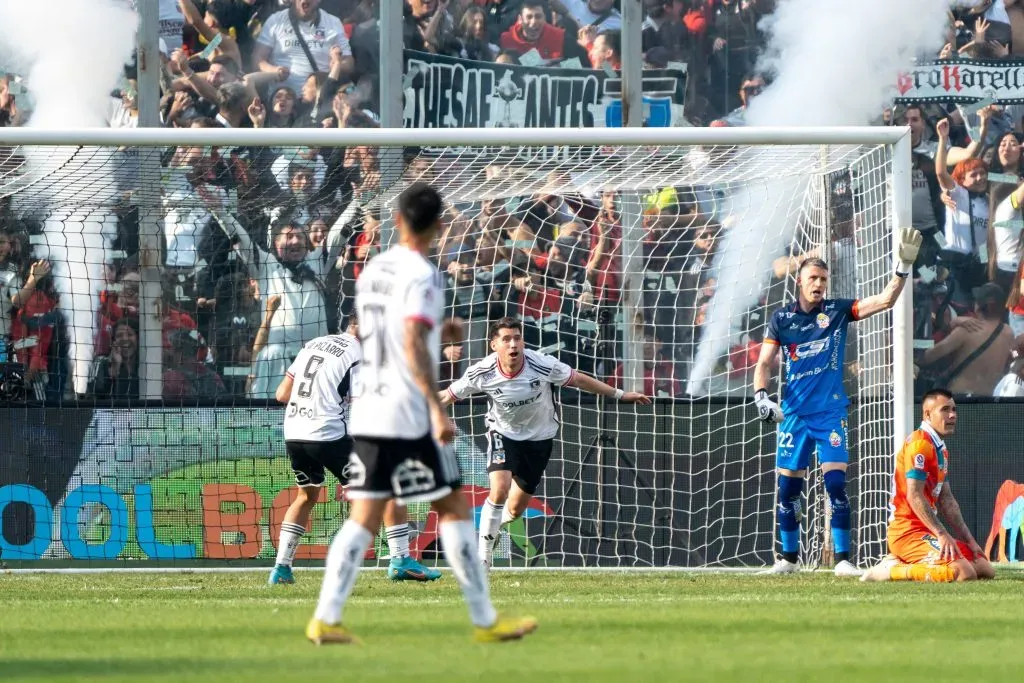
{"x": 812, "y": 335}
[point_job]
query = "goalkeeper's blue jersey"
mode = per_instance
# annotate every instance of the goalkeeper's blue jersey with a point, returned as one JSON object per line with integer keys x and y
{"x": 814, "y": 345}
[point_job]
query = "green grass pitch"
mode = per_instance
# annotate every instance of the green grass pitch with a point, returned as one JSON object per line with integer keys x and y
{"x": 595, "y": 627}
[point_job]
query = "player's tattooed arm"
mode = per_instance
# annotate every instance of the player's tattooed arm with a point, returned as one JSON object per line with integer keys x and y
{"x": 950, "y": 510}
{"x": 921, "y": 507}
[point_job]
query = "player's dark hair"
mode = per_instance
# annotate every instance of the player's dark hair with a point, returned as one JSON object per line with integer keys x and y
{"x": 420, "y": 206}
{"x": 812, "y": 262}
{"x": 937, "y": 392}
{"x": 506, "y": 323}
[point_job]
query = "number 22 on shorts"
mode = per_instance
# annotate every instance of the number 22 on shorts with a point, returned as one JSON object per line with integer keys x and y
{"x": 497, "y": 449}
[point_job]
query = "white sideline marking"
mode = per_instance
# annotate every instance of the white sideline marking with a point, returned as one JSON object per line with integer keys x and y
{"x": 737, "y": 571}
{"x": 455, "y": 599}
{"x": 511, "y": 570}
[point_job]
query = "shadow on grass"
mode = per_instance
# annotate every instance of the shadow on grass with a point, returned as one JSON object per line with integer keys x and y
{"x": 138, "y": 669}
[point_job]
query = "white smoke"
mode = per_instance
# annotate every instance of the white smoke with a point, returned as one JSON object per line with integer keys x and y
{"x": 832, "y": 64}
{"x": 72, "y": 53}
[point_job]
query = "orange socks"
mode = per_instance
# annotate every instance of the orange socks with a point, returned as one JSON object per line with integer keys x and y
{"x": 922, "y": 572}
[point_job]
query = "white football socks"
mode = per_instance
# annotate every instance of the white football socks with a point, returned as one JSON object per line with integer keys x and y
{"x": 507, "y": 517}
{"x": 398, "y": 540}
{"x": 490, "y": 522}
{"x": 457, "y": 539}
{"x": 344, "y": 560}
{"x": 288, "y": 542}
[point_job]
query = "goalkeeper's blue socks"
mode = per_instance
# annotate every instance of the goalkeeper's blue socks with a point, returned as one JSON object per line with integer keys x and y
{"x": 835, "y": 485}
{"x": 787, "y": 513}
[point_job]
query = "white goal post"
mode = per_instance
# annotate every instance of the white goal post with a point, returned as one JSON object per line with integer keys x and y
{"x": 696, "y": 227}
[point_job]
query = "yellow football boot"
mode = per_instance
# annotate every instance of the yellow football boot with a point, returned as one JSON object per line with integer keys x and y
{"x": 322, "y": 633}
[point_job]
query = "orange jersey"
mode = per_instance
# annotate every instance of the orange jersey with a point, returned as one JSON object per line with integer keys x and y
{"x": 924, "y": 457}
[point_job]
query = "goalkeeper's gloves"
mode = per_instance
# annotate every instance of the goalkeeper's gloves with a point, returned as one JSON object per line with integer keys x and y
{"x": 910, "y": 245}
{"x": 767, "y": 409}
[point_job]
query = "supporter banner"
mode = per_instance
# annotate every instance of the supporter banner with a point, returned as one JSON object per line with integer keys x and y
{"x": 444, "y": 92}
{"x": 962, "y": 82}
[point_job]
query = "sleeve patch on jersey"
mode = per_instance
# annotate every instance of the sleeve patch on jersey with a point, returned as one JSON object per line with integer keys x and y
{"x": 919, "y": 461}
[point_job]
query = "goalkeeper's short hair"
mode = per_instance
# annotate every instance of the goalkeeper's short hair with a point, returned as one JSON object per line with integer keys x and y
{"x": 812, "y": 262}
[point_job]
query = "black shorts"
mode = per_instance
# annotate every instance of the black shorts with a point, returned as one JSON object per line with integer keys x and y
{"x": 311, "y": 458}
{"x": 408, "y": 470}
{"x": 526, "y": 460}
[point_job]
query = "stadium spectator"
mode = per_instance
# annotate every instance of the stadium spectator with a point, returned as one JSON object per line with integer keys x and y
{"x": 186, "y": 377}
{"x": 211, "y": 25}
{"x": 601, "y": 15}
{"x": 1006, "y": 156}
{"x": 284, "y": 111}
{"x": 472, "y": 33}
{"x": 297, "y": 42}
{"x": 116, "y": 375}
{"x": 501, "y": 15}
{"x": 12, "y": 289}
{"x": 659, "y": 375}
{"x": 1004, "y": 233}
{"x": 975, "y": 355}
{"x": 1015, "y": 303}
{"x": 606, "y": 51}
{"x": 966, "y": 228}
{"x": 290, "y": 269}
{"x": 533, "y": 31}
{"x": 428, "y": 27}
{"x": 662, "y": 29}
{"x": 10, "y": 114}
{"x": 751, "y": 87}
{"x": 35, "y": 325}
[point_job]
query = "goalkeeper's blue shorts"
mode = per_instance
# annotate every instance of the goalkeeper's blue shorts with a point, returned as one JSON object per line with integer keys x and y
{"x": 798, "y": 437}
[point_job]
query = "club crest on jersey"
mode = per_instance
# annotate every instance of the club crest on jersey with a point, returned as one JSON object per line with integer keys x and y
{"x": 835, "y": 440}
{"x": 822, "y": 321}
{"x": 919, "y": 461}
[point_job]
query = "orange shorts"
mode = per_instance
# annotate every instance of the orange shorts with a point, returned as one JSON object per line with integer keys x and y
{"x": 921, "y": 547}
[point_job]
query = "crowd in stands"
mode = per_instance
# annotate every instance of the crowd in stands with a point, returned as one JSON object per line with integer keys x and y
{"x": 262, "y": 246}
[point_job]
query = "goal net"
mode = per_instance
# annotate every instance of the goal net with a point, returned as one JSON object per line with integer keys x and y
{"x": 139, "y": 378}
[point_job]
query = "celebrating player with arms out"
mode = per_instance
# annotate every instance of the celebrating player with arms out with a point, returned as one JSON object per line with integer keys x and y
{"x": 812, "y": 334}
{"x": 398, "y": 422}
{"x": 920, "y": 547}
{"x": 521, "y": 420}
{"x": 316, "y": 438}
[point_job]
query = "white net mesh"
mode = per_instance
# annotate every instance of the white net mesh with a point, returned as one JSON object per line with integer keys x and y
{"x": 654, "y": 268}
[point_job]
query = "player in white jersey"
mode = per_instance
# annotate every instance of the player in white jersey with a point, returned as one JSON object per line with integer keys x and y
{"x": 317, "y": 440}
{"x": 522, "y": 420}
{"x": 400, "y": 428}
